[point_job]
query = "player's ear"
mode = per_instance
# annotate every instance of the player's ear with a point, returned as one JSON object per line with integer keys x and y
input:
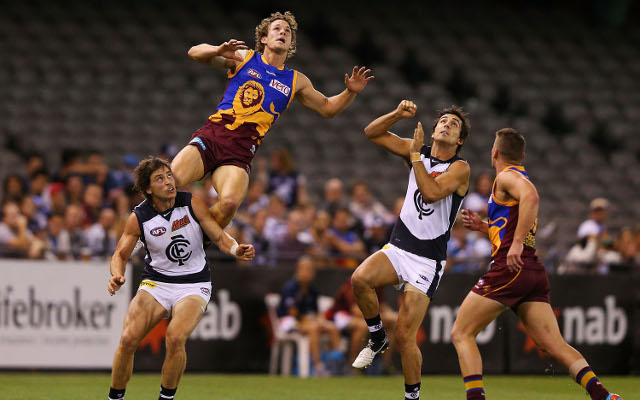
{"x": 263, "y": 40}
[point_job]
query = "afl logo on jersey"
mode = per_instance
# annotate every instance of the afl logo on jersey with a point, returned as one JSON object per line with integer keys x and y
{"x": 176, "y": 251}
{"x": 253, "y": 73}
{"x": 159, "y": 231}
{"x": 421, "y": 207}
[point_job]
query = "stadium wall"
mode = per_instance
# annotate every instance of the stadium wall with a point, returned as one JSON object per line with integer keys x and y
{"x": 60, "y": 316}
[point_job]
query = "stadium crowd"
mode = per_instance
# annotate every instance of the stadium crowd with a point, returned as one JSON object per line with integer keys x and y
{"x": 79, "y": 213}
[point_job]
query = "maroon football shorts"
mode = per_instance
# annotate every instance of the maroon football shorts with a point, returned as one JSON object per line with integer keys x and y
{"x": 529, "y": 283}
{"x": 220, "y": 146}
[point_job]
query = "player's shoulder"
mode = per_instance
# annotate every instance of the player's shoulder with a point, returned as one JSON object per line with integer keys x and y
{"x": 144, "y": 211}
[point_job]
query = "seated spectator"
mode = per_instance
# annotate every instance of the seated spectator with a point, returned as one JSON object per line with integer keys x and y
{"x": 100, "y": 238}
{"x": 365, "y": 208}
{"x": 285, "y": 181}
{"x": 13, "y": 188}
{"x": 36, "y": 219}
{"x": 348, "y": 318}
{"x": 256, "y": 198}
{"x": 15, "y": 238}
{"x": 59, "y": 243}
{"x": 74, "y": 188}
{"x": 57, "y": 199}
{"x": 334, "y": 196}
{"x": 118, "y": 178}
{"x": 38, "y": 189}
{"x": 595, "y": 225}
{"x": 298, "y": 310}
{"x": 275, "y": 226}
{"x": 345, "y": 243}
{"x": 376, "y": 234}
{"x": 466, "y": 251}
{"x": 265, "y": 256}
{"x": 478, "y": 200}
{"x": 74, "y": 219}
{"x": 297, "y": 240}
{"x": 320, "y": 245}
{"x": 93, "y": 203}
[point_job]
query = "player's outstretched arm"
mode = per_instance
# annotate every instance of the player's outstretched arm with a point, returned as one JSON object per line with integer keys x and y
{"x": 329, "y": 107}
{"x": 472, "y": 221}
{"x": 378, "y": 130}
{"x": 227, "y": 55}
{"x": 225, "y": 243}
{"x": 126, "y": 244}
{"x": 522, "y": 190}
{"x": 434, "y": 189}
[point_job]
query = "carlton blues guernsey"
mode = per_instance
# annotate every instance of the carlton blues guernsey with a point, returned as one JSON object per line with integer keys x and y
{"x": 424, "y": 228}
{"x": 173, "y": 241}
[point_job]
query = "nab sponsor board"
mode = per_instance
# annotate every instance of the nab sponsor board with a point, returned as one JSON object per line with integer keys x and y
{"x": 221, "y": 321}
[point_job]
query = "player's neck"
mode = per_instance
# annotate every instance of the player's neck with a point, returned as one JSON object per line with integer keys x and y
{"x": 162, "y": 205}
{"x": 443, "y": 152}
{"x": 274, "y": 59}
{"x": 500, "y": 165}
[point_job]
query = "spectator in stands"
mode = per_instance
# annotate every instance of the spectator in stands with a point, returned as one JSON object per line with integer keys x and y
{"x": 285, "y": 181}
{"x": 595, "y": 225}
{"x": 74, "y": 219}
{"x": 15, "y": 238}
{"x": 477, "y": 200}
{"x": 95, "y": 169}
{"x": 13, "y": 188}
{"x": 345, "y": 243}
{"x": 57, "y": 199}
{"x": 253, "y": 234}
{"x": 298, "y": 310}
{"x": 38, "y": 189}
{"x": 93, "y": 202}
{"x": 256, "y": 198}
{"x": 36, "y": 219}
{"x": 58, "y": 238}
{"x": 297, "y": 239}
{"x": 320, "y": 246}
{"x": 334, "y": 196}
{"x": 376, "y": 234}
{"x": 365, "y": 208}
{"x": 100, "y": 238}
{"x": 74, "y": 187}
{"x": 122, "y": 176}
{"x": 466, "y": 251}
{"x": 34, "y": 162}
{"x": 348, "y": 318}
{"x": 627, "y": 245}
{"x": 275, "y": 226}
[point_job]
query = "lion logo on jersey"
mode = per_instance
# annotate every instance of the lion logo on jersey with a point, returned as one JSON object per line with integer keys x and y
{"x": 248, "y": 99}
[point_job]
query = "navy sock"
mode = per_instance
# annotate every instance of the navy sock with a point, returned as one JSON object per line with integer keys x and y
{"x": 375, "y": 328}
{"x": 412, "y": 392}
{"x": 116, "y": 394}
{"x": 167, "y": 394}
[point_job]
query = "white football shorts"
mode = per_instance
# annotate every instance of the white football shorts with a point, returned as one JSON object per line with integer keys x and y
{"x": 169, "y": 294}
{"x": 420, "y": 272}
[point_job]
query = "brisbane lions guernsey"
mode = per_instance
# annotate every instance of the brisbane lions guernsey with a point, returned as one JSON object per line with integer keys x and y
{"x": 256, "y": 94}
{"x": 424, "y": 228}
{"x": 173, "y": 241}
{"x": 503, "y": 219}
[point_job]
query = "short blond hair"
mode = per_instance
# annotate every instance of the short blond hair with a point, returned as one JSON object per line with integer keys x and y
{"x": 263, "y": 29}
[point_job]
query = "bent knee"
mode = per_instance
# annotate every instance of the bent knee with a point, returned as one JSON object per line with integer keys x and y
{"x": 359, "y": 280}
{"x": 175, "y": 341}
{"x": 229, "y": 204}
{"x": 129, "y": 341}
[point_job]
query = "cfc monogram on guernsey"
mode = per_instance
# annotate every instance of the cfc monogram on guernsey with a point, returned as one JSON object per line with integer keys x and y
{"x": 256, "y": 95}
{"x": 503, "y": 219}
{"x": 173, "y": 242}
{"x": 424, "y": 228}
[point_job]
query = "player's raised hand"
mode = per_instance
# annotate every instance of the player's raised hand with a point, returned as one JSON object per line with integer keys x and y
{"x": 229, "y": 49}
{"x": 418, "y": 140}
{"x": 358, "y": 79}
{"x": 514, "y": 262}
{"x": 115, "y": 283}
{"x": 406, "y": 109}
{"x": 471, "y": 220}
{"x": 245, "y": 252}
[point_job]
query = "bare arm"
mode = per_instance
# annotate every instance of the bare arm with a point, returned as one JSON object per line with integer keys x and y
{"x": 22, "y": 239}
{"x": 225, "y": 243}
{"x": 471, "y": 220}
{"x": 227, "y": 55}
{"x": 434, "y": 189}
{"x": 378, "y": 130}
{"x": 329, "y": 107}
{"x": 126, "y": 244}
{"x": 521, "y": 189}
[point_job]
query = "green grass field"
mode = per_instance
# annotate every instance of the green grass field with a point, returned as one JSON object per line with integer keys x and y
{"x": 32, "y": 386}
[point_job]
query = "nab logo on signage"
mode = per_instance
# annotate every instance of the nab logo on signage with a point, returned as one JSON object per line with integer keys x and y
{"x": 222, "y": 320}
{"x": 176, "y": 250}
{"x": 421, "y": 207}
{"x": 280, "y": 87}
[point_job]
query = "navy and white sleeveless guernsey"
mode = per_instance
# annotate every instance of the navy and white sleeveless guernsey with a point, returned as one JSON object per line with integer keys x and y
{"x": 173, "y": 241}
{"x": 424, "y": 228}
